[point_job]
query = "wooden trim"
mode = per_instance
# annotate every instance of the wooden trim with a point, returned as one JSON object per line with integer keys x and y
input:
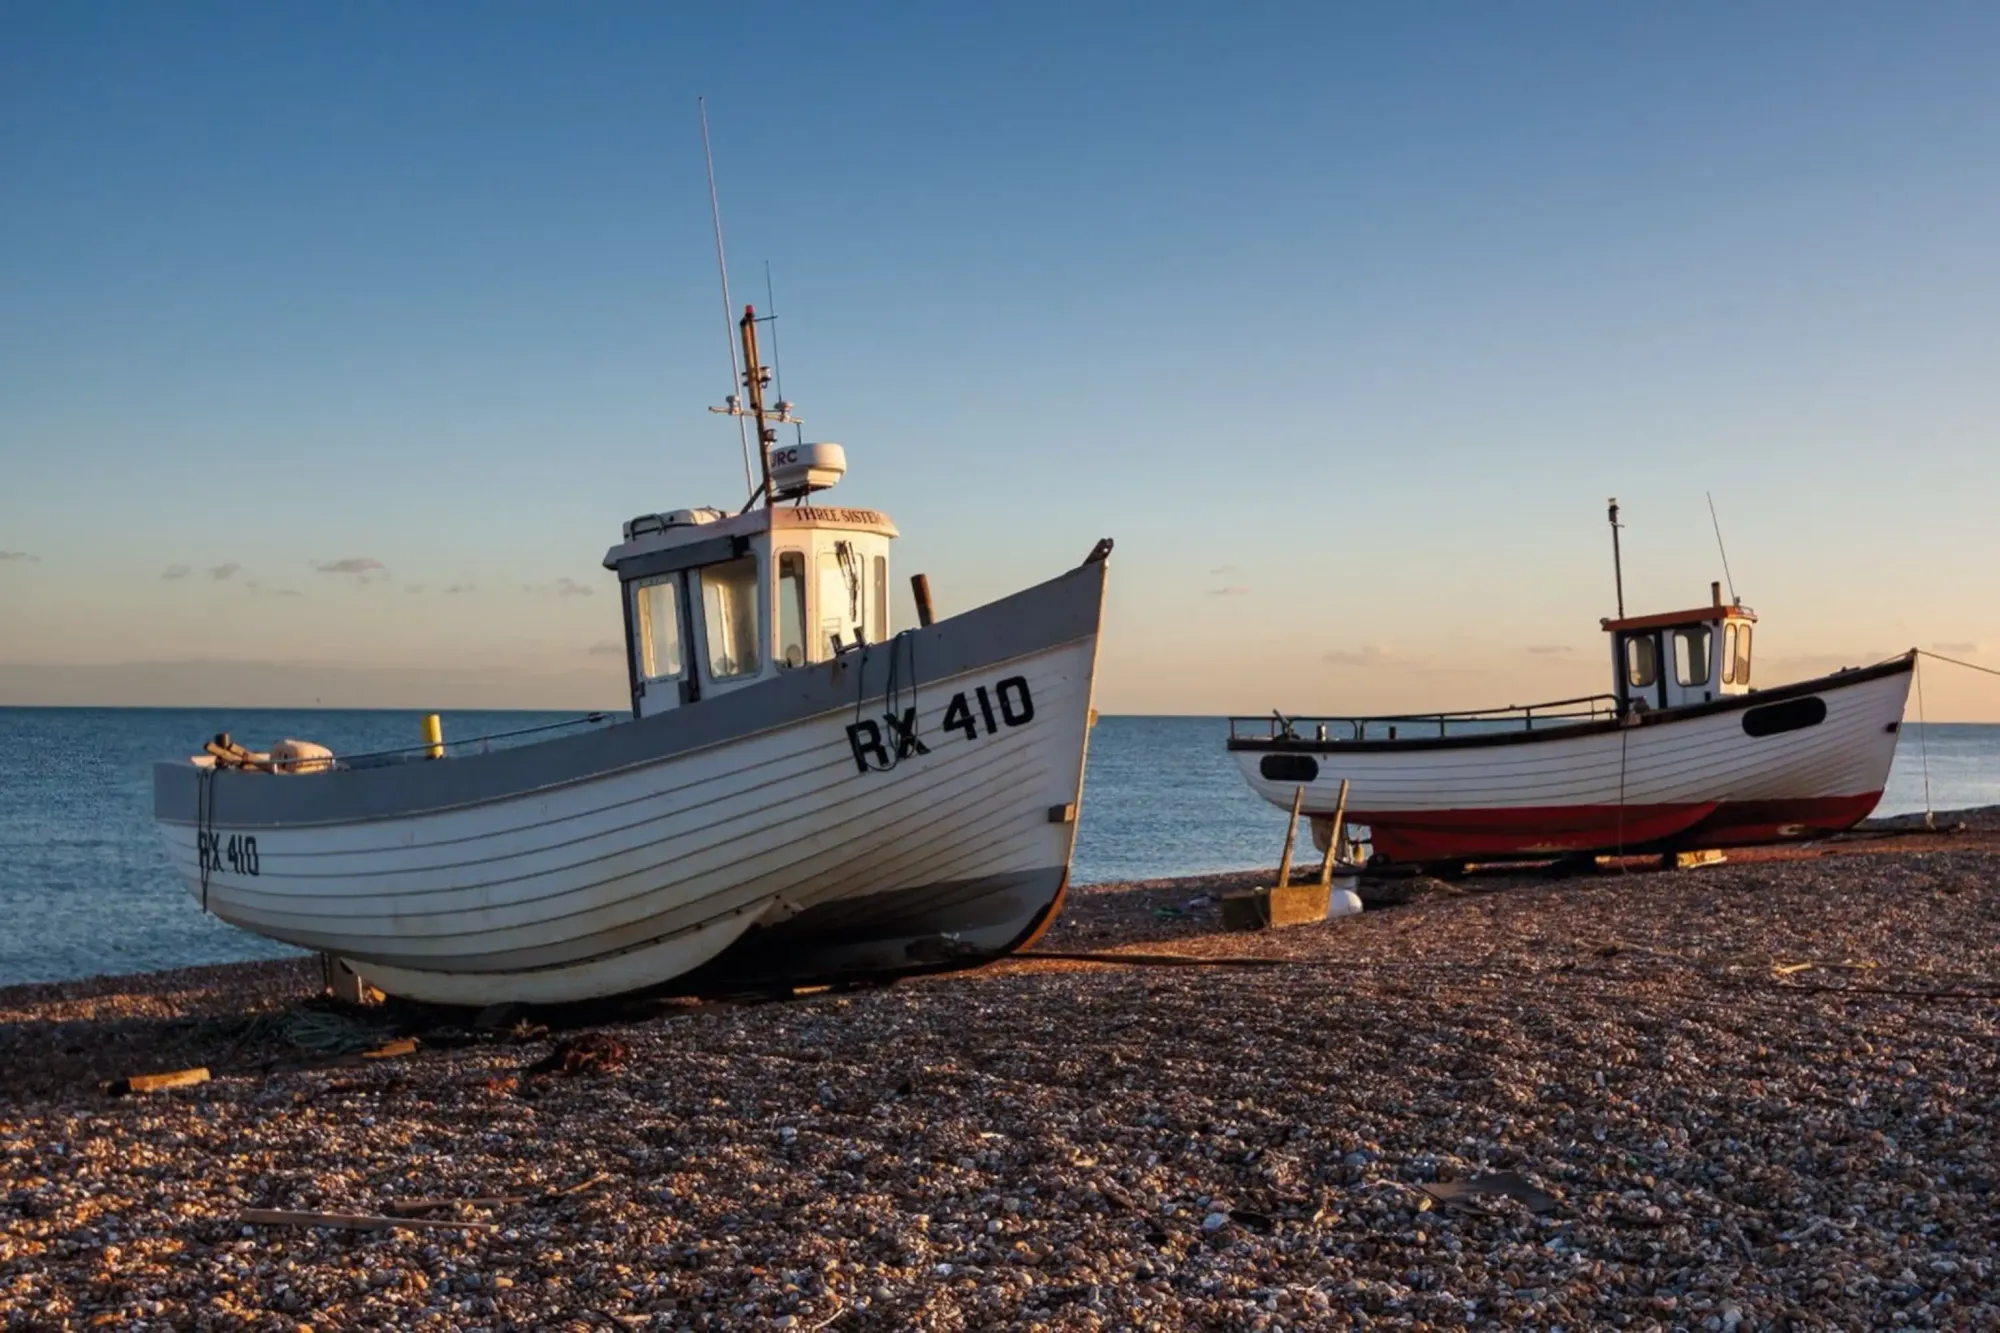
{"x": 1701, "y": 615}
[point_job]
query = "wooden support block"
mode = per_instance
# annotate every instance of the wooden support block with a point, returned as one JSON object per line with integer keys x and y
{"x": 1275, "y": 908}
{"x": 1336, "y": 834}
{"x": 1692, "y": 860}
{"x": 342, "y": 981}
{"x": 1291, "y": 834}
{"x": 179, "y": 1078}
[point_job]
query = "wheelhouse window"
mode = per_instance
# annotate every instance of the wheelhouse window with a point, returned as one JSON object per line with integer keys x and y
{"x": 1691, "y": 655}
{"x": 791, "y": 609}
{"x": 657, "y": 605}
{"x": 729, "y": 604}
{"x": 1729, "y": 653}
{"x": 1742, "y": 655}
{"x": 1642, "y": 666}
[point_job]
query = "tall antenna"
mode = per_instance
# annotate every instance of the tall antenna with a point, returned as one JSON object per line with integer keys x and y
{"x": 777, "y": 364}
{"x": 1720, "y": 547}
{"x": 728, "y": 307}
{"x": 1617, "y": 568}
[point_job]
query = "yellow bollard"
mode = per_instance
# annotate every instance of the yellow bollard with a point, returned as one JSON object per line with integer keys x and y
{"x": 434, "y": 736}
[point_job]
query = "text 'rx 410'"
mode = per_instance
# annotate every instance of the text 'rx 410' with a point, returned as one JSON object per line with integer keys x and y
{"x": 236, "y": 852}
{"x": 985, "y": 711}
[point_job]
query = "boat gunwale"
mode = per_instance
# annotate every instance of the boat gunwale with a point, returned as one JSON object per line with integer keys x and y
{"x": 1905, "y": 662}
{"x": 1022, "y": 625}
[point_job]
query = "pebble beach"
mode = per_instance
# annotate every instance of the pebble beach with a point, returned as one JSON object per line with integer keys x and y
{"x": 1754, "y": 1095}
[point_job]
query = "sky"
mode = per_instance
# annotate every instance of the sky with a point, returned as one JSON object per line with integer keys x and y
{"x": 336, "y": 342}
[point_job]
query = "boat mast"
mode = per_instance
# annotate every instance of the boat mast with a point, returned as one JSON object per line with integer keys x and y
{"x": 755, "y": 377}
{"x": 1617, "y": 569}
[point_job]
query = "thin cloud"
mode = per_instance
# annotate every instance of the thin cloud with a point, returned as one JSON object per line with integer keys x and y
{"x": 606, "y": 648}
{"x": 413, "y": 588}
{"x": 1233, "y": 590}
{"x": 1960, "y": 649}
{"x": 224, "y": 572}
{"x": 1367, "y": 656}
{"x": 457, "y": 588}
{"x": 354, "y": 564}
{"x": 21, "y": 556}
{"x": 571, "y": 588}
{"x": 175, "y": 572}
{"x": 286, "y": 592}
{"x": 1225, "y": 572}
{"x": 1549, "y": 649}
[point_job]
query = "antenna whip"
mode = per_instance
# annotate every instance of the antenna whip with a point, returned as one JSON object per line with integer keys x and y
{"x": 728, "y": 308}
{"x": 1719, "y": 546}
{"x": 777, "y": 363}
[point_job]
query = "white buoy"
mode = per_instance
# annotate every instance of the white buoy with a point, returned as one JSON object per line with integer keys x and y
{"x": 1343, "y": 900}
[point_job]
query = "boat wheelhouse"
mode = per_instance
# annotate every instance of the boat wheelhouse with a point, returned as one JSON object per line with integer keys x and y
{"x": 715, "y": 602}
{"x": 1684, "y": 752}
{"x": 1679, "y": 658}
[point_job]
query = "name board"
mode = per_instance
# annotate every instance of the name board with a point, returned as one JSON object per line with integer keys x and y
{"x": 854, "y": 517}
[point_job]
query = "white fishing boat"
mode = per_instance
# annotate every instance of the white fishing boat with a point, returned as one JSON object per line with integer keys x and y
{"x": 1684, "y": 753}
{"x": 797, "y": 794}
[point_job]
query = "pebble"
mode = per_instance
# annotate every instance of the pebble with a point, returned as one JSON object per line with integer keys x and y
{"x": 1068, "y": 1145}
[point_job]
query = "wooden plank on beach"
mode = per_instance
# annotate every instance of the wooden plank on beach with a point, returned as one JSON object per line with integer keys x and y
{"x": 390, "y": 1050}
{"x": 179, "y": 1078}
{"x": 284, "y": 1217}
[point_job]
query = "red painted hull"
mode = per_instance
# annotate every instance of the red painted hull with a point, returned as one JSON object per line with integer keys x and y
{"x": 1563, "y": 830}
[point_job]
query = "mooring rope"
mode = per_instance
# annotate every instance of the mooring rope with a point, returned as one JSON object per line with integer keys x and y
{"x": 1624, "y": 735}
{"x": 1969, "y": 666}
{"x": 1924, "y": 747}
{"x": 204, "y": 824}
{"x": 900, "y": 679}
{"x": 1923, "y": 727}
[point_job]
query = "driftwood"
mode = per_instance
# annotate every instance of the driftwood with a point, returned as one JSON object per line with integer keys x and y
{"x": 284, "y": 1217}
{"x": 389, "y": 1050}
{"x": 496, "y": 1200}
{"x": 179, "y": 1078}
{"x": 1510, "y": 1183}
{"x": 1146, "y": 959}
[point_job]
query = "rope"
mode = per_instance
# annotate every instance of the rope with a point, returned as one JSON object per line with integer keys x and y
{"x": 587, "y": 718}
{"x": 1969, "y": 666}
{"x": 204, "y": 824}
{"x": 1624, "y": 735}
{"x": 902, "y": 744}
{"x": 1924, "y": 747}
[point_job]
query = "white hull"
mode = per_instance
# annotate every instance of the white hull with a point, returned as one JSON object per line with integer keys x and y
{"x": 1701, "y": 776}
{"x": 629, "y": 878}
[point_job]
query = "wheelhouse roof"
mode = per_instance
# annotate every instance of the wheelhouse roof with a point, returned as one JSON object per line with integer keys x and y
{"x": 749, "y": 524}
{"x": 1701, "y": 615}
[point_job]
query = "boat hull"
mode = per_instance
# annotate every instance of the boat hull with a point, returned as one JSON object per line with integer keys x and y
{"x": 775, "y": 834}
{"x": 1800, "y": 761}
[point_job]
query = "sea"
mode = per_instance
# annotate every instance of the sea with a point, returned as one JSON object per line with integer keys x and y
{"x": 85, "y": 888}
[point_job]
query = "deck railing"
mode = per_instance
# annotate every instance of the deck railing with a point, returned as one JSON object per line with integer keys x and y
{"x": 1414, "y": 726}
